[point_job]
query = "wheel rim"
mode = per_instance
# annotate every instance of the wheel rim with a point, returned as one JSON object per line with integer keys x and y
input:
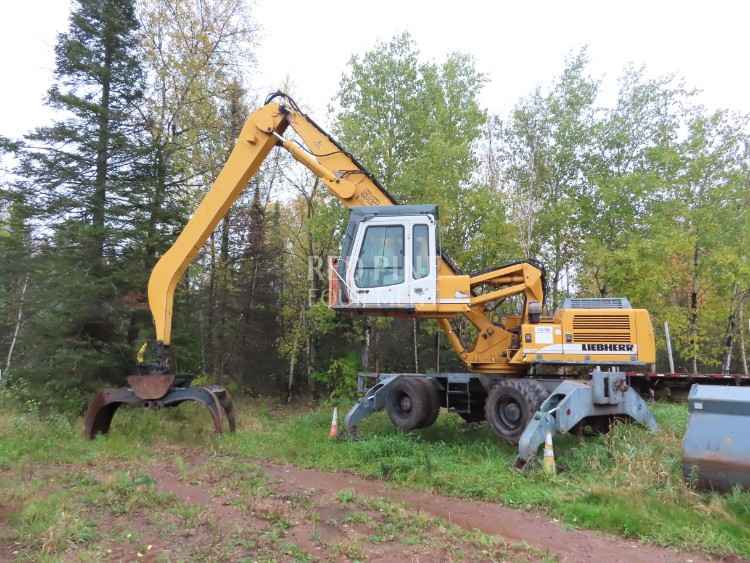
{"x": 404, "y": 403}
{"x": 509, "y": 414}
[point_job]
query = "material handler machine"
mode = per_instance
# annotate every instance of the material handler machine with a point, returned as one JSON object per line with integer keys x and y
{"x": 527, "y": 373}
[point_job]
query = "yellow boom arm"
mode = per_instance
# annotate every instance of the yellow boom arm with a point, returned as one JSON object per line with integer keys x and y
{"x": 262, "y": 131}
{"x": 354, "y": 186}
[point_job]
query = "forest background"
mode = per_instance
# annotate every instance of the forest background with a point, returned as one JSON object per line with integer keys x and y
{"x": 646, "y": 197}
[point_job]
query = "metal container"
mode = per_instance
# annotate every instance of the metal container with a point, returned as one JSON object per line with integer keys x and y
{"x": 716, "y": 447}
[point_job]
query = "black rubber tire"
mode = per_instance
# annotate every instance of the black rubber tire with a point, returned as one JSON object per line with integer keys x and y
{"x": 408, "y": 403}
{"x": 433, "y": 395}
{"x": 510, "y": 405}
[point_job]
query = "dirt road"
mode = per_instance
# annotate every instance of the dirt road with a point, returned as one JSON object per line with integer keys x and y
{"x": 194, "y": 507}
{"x": 513, "y": 528}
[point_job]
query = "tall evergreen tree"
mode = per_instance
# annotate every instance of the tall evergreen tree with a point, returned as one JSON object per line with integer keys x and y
{"x": 81, "y": 171}
{"x": 82, "y": 163}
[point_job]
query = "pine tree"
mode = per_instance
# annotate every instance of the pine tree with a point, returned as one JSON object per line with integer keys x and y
{"x": 79, "y": 174}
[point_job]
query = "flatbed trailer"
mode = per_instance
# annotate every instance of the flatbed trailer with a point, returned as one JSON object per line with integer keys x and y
{"x": 677, "y": 385}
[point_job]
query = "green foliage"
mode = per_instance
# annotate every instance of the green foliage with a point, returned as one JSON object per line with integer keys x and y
{"x": 322, "y": 320}
{"x": 644, "y": 199}
{"x": 627, "y": 482}
{"x": 341, "y": 377}
{"x": 415, "y": 125}
{"x": 73, "y": 178}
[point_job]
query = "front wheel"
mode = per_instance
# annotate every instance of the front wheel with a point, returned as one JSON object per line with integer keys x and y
{"x": 408, "y": 404}
{"x": 511, "y": 404}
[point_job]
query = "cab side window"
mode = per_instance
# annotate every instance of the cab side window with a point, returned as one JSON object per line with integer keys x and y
{"x": 420, "y": 251}
{"x": 381, "y": 258}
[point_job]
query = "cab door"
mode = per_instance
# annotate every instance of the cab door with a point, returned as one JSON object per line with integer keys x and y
{"x": 393, "y": 262}
{"x": 423, "y": 282}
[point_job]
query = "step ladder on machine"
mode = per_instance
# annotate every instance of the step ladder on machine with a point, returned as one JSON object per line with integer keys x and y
{"x": 458, "y": 394}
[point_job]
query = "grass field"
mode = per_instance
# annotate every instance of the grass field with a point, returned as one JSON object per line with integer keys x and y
{"x": 627, "y": 482}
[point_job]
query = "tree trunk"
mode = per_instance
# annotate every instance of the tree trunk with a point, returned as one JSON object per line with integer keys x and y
{"x": 157, "y": 198}
{"x": 693, "y": 320}
{"x": 365, "y": 359}
{"x": 292, "y": 363}
{"x": 290, "y": 383}
{"x": 309, "y": 355}
{"x": 743, "y": 354}
{"x": 223, "y": 292}
{"x": 376, "y": 339}
{"x": 731, "y": 328}
{"x": 210, "y": 313}
{"x": 99, "y": 199}
{"x": 16, "y": 329}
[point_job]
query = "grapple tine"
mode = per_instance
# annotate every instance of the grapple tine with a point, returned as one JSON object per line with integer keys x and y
{"x": 105, "y": 403}
{"x": 102, "y": 409}
{"x": 225, "y": 402}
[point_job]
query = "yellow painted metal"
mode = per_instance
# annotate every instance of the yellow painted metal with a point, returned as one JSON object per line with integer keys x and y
{"x": 497, "y": 349}
{"x": 141, "y": 355}
{"x": 453, "y": 339}
{"x": 260, "y": 133}
{"x": 615, "y": 329}
{"x": 342, "y": 188}
{"x": 253, "y": 145}
{"x": 451, "y": 287}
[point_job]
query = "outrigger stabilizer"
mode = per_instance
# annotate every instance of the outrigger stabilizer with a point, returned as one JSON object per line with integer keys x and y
{"x": 154, "y": 389}
{"x": 569, "y": 407}
{"x": 575, "y": 404}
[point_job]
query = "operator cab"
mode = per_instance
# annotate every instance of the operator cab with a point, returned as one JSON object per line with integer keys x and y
{"x": 389, "y": 259}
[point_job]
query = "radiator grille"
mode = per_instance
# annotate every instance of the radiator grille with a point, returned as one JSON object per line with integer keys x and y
{"x": 601, "y": 328}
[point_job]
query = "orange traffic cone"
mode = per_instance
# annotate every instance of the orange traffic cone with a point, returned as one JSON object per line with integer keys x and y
{"x": 334, "y": 424}
{"x": 549, "y": 455}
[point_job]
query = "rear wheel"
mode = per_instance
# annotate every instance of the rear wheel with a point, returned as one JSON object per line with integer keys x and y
{"x": 408, "y": 403}
{"x": 511, "y": 404}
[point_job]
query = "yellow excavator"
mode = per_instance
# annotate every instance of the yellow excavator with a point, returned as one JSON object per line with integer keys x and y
{"x": 391, "y": 264}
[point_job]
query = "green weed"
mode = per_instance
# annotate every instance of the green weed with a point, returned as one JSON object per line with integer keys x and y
{"x": 345, "y": 496}
{"x": 628, "y": 481}
{"x": 126, "y": 492}
{"x": 52, "y": 524}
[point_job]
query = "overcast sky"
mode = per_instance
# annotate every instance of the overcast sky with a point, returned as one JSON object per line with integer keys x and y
{"x": 518, "y": 45}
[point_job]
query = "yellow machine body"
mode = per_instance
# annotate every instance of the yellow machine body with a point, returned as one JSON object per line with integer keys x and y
{"x": 590, "y": 337}
{"x": 575, "y": 336}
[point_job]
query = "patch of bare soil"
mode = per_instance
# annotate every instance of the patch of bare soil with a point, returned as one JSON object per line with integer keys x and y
{"x": 225, "y": 509}
{"x": 294, "y": 521}
{"x": 512, "y": 525}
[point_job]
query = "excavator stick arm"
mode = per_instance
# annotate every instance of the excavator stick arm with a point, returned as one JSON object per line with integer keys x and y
{"x": 253, "y": 145}
{"x": 262, "y": 131}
